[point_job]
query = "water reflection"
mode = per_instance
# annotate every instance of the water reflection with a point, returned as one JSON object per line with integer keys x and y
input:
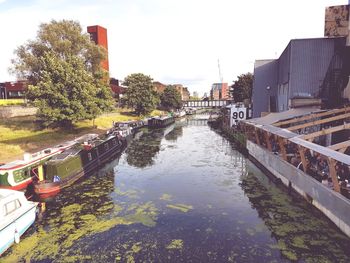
{"x": 142, "y": 151}
{"x": 174, "y": 134}
{"x": 298, "y": 234}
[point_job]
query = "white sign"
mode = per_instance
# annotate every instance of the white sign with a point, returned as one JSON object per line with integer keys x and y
{"x": 237, "y": 114}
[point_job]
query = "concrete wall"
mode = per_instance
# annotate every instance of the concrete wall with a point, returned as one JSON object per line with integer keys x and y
{"x": 16, "y": 111}
{"x": 335, "y": 206}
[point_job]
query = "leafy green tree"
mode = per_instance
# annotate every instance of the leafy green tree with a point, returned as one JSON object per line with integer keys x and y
{"x": 171, "y": 98}
{"x": 140, "y": 93}
{"x": 63, "y": 67}
{"x": 242, "y": 87}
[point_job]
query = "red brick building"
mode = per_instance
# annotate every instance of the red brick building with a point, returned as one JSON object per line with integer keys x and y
{"x": 11, "y": 90}
{"x": 117, "y": 90}
{"x": 159, "y": 87}
{"x": 98, "y": 34}
{"x": 220, "y": 91}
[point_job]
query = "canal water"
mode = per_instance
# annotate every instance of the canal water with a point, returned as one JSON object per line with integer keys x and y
{"x": 181, "y": 194}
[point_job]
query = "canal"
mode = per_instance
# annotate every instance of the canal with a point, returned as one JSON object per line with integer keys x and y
{"x": 181, "y": 194}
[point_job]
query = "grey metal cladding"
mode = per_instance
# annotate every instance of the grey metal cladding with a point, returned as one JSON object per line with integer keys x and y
{"x": 265, "y": 74}
{"x": 310, "y": 59}
{"x": 284, "y": 65}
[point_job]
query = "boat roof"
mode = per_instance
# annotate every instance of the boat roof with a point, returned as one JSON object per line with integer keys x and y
{"x": 162, "y": 117}
{"x": 4, "y": 193}
{"x": 34, "y": 158}
{"x": 69, "y": 152}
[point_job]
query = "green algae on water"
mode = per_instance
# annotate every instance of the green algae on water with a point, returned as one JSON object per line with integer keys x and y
{"x": 175, "y": 244}
{"x": 182, "y": 207}
{"x": 166, "y": 197}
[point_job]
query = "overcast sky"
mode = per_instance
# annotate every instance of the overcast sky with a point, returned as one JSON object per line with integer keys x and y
{"x": 173, "y": 41}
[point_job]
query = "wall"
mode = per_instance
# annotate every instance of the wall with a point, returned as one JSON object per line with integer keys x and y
{"x": 265, "y": 75}
{"x": 333, "y": 205}
{"x": 16, "y": 111}
{"x": 336, "y": 21}
{"x": 310, "y": 59}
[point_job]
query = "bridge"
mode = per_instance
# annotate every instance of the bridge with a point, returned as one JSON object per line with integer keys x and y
{"x": 206, "y": 103}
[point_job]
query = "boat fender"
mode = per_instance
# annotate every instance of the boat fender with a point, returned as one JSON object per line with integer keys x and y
{"x": 17, "y": 237}
{"x": 56, "y": 178}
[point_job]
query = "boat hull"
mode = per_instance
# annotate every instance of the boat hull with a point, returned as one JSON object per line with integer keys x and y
{"x": 20, "y": 186}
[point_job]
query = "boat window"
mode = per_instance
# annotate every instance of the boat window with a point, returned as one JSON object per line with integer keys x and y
{"x": 106, "y": 146}
{"x": 89, "y": 156}
{"x": 12, "y": 206}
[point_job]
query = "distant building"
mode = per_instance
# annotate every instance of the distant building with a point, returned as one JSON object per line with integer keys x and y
{"x": 12, "y": 90}
{"x": 98, "y": 34}
{"x": 219, "y": 91}
{"x": 185, "y": 94}
{"x": 159, "y": 87}
{"x": 117, "y": 90}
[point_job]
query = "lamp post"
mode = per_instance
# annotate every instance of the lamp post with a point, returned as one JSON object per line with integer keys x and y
{"x": 268, "y": 98}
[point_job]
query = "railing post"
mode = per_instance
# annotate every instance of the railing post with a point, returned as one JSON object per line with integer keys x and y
{"x": 333, "y": 173}
{"x": 281, "y": 143}
{"x": 268, "y": 142}
{"x": 302, "y": 156}
{"x": 257, "y": 136}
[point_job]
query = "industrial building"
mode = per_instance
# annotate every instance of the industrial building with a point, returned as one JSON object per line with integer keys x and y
{"x": 98, "y": 34}
{"x": 308, "y": 72}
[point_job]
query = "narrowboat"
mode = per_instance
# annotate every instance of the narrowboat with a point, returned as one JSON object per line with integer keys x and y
{"x": 17, "y": 175}
{"x": 67, "y": 167}
{"x": 180, "y": 114}
{"x": 17, "y": 215}
{"x": 190, "y": 111}
{"x": 160, "y": 122}
{"x": 127, "y": 129}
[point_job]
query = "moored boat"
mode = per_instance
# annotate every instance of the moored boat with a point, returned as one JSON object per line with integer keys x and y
{"x": 180, "y": 114}
{"x": 17, "y": 175}
{"x": 67, "y": 167}
{"x": 160, "y": 122}
{"x": 17, "y": 215}
{"x": 126, "y": 130}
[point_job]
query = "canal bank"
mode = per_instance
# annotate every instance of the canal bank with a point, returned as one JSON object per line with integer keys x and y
{"x": 316, "y": 172}
{"x": 180, "y": 194}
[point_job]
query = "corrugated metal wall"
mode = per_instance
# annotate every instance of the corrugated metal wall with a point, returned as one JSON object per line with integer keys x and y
{"x": 299, "y": 71}
{"x": 265, "y": 75}
{"x": 310, "y": 59}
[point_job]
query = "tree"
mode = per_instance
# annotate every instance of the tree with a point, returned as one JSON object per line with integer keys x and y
{"x": 62, "y": 67}
{"x": 171, "y": 98}
{"x": 140, "y": 93}
{"x": 242, "y": 87}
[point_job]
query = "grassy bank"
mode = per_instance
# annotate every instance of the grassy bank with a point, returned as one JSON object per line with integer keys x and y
{"x": 11, "y": 102}
{"x": 22, "y": 134}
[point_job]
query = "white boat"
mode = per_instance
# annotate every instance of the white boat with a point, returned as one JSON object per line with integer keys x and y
{"x": 179, "y": 113}
{"x": 17, "y": 214}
